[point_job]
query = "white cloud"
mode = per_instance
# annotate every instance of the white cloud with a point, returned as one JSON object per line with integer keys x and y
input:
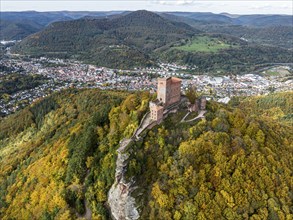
{"x": 174, "y": 2}
{"x": 216, "y": 6}
{"x": 230, "y": 6}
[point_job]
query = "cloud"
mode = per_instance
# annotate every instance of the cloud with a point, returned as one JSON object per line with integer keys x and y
{"x": 174, "y": 2}
{"x": 271, "y": 6}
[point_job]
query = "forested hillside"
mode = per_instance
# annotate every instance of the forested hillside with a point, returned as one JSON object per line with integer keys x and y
{"x": 61, "y": 150}
{"x": 281, "y": 36}
{"x": 12, "y": 30}
{"x": 58, "y": 157}
{"x": 277, "y": 106}
{"x": 18, "y": 25}
{"x": 16, "y": 82}
{"x": 122, "y": 42}
{"x": 231, "y": 55}
{"x": 231, "y": 165}
{"x": 254, "y": 20}
{"x": 144, "y": 38}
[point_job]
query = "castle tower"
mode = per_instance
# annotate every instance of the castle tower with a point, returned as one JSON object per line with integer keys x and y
{"x": 168, "y": 93}
{"x": 169, "y": 90}
{"x": 156, "y": 111}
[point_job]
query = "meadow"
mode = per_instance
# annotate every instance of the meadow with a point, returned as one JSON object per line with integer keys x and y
{"x": 204, "y": 44}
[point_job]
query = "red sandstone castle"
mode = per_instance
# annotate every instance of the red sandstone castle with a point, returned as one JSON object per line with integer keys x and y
{"x": 168, "y": 93}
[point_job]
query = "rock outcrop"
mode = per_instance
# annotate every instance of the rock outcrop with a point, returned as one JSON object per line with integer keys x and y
{"x": 121, "y": 204}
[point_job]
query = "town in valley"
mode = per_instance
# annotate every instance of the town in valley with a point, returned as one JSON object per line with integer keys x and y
{"x": 61, "y": 74}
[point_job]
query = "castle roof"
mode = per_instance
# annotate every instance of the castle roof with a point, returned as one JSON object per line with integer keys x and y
{"x": 156, "y": 105}
{"x": 173, "y": 79}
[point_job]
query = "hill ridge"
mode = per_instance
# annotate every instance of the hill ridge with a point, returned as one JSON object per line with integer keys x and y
{"x": 61, "y": 152}
{"x": 89, "y": 39}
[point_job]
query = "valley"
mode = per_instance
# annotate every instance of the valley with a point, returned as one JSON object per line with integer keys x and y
{"x": 59, "y": 74}
{"x": 142, "y": 39}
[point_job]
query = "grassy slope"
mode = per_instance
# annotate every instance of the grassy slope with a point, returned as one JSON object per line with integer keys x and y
{"x": 204, "y": 44}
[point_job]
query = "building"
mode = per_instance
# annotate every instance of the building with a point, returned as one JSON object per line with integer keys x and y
{"x": 194, "y": 107}
{"x": 156, "y": 111}
{"x": 168, "y": 93}
{"x": 203, "y": 103}
{"x": 199, "y": 104}
{"x": 169, "y": 90}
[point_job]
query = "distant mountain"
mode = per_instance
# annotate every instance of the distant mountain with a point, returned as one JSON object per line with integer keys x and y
{"x": 45, "y": 18}
{"x": 187, "y": 20}
{"x": 126, "y": 39}
{"x": 246, "y": 20}
{"x": 264, "y": 20}
{"x": 18, "y": 25}
{"x": 42, "y": 18}
{"x": 204, "y": 16}
{"x": 132, "y": 39}
{"x": 17, "y": 30}
{"x": 274, "y": 30}
{"x": 230, "y": 15}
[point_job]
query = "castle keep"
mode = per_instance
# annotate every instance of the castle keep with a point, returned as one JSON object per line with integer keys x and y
{"x": 168, "y": 93}
{"x": 169, "y": 90}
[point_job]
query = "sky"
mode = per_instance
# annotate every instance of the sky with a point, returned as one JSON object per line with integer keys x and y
{"x": 215, "y": 6}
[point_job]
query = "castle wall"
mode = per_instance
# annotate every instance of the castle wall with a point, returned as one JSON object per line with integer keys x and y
{"x": 194, "y": 107}
{"x": 203, "y": 103}
{"x": 174, "y": 92}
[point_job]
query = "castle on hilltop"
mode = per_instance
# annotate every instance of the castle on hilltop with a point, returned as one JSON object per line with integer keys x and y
{"x": 168, "y": 93}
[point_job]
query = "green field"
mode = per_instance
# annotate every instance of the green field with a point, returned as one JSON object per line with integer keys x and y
{"x": 277, "y": 72}
{"x": 204, "y": 44}
{"x": 273, "y": 73}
